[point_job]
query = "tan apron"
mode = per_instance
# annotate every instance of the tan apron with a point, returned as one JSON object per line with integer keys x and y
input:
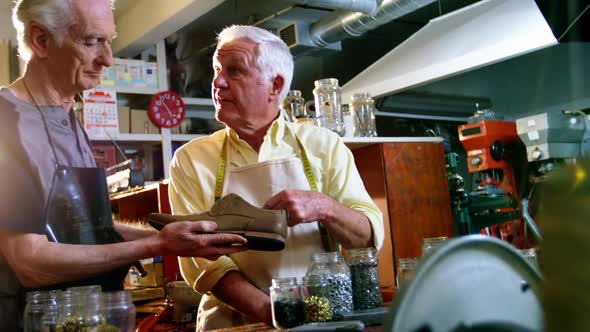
{"x": 257, "y": 183}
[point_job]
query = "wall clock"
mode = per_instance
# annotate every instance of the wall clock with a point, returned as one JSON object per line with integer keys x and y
{"x": 167, "y": 109}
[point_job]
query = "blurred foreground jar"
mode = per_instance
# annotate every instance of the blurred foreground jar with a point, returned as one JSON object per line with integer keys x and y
{"x": 564, "y": 221}
{"x": 366, "y": 288}
{"x": 287, "y": 306}
{"x": 36, "y": 306}
{"x": 330, "y": 267}
{"x": 317, "y": 306}
{"x": 327, "y": 105}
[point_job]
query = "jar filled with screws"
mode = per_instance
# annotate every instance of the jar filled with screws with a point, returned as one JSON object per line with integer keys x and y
{"x": 287, "y": 306}
{"x": 366, "y": 288}
{"x": 330, "y": 266}
{"x": 317, "y": 306}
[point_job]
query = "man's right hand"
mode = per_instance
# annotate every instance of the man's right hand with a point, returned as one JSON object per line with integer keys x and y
{"x": 194, "y": 239}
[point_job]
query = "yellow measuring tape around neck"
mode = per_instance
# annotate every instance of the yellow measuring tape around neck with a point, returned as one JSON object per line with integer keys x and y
{"x": 223, "y": 165}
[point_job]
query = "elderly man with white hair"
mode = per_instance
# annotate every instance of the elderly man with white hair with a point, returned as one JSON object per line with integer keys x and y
{"x": 273, "y": 164}
{"x": 55, "y": 222}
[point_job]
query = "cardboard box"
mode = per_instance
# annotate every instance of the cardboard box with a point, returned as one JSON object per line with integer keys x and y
{"x": 141, "y": 123}
{"x": 124, "y": 119}
{"x": 130, "y": 72}
{"x": 155, "y": 272}
{"x": 107, "y": 76}
{"x": 105, "y": 155}
{"x": 151, "y": 74}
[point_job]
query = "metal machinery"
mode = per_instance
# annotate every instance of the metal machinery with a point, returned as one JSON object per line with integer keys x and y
{"x": 551, "y": 139}
{"x": 494, "y": 202}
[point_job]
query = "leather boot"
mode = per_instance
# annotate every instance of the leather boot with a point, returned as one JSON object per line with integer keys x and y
{"x": 264, "y": 229}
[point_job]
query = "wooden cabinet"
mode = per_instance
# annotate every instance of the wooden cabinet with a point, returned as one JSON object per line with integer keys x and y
{"x": 406, "y": 177}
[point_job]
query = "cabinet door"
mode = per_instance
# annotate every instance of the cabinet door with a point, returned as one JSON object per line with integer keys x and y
{"x": 417, "y": 194}
{"x": 407, "y": 181}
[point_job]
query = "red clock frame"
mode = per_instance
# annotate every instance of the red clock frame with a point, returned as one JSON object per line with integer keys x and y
{"x": 167, "y": 109}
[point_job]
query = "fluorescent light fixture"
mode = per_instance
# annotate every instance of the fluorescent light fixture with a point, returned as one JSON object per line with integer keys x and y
{"x": 477, "y": 35}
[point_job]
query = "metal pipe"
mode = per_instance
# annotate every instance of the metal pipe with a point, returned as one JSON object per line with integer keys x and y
{"x": 339, "y": 26}
{"x": 363, "y": 6}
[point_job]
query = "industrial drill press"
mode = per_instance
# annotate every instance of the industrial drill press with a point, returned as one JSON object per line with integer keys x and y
{"x": 492, "y": 206}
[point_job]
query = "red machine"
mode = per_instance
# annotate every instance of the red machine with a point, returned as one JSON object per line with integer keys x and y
{"x": 489, "y": 145}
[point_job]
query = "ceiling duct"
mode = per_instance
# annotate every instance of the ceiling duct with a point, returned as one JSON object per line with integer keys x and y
{"x": 341, "y": 26}
{"x": 363, "y": 6}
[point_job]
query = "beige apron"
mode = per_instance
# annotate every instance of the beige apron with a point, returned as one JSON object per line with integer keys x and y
{"x": 256, "y": 183}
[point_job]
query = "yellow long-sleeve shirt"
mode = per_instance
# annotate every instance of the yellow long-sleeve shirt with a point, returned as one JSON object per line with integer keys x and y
{"x": 194, "y": 169}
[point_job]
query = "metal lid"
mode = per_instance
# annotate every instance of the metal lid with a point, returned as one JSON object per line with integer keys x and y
{"x": 470, "y": 284}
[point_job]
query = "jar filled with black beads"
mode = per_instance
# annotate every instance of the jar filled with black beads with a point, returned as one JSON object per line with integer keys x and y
{"x": 287, "y": 305}
{"x": 366, "y": 289}
{"x": 331, "y": 267}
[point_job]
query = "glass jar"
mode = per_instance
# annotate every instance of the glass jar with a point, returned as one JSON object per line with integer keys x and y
{"x": 317, "y": 306}
{"x": 405, "y": 271}
{"x": 349, "y": 121}
{"x": 366, "y": 288}
{"x": 327, "y": 105}
{"x": 287, "y": 306}
{"x": 34, "y": 309}
{"x": 330, "y": 266}
{"x": 75, "y": 305}
{"x": 118, "y": 310}
{"x": 431, "y": 243}
{"x": 92, "y": 317}
{"x": 363, "y": 109}
{"x": 294, "y": 104}
{"x": 50, "y": 313}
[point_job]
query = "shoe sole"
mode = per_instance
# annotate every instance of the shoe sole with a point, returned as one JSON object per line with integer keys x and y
{"x": 260, "y": 241}
{"x": 256, "y": 240}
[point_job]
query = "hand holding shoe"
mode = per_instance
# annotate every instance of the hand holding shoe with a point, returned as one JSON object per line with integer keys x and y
{"x": 263, "y": 228}
{"x": 195, "y": 239}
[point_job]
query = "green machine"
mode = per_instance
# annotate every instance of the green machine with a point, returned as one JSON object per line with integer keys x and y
{"x": 488, "y": 206}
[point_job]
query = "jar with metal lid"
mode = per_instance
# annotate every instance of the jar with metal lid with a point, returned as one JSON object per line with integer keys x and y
{"x": 363, "y": 109}
{"x": 331, "y": 267}
{"x": 287, "y": 305}
{"x": 431, "y": 243}
{"x": 366, "y": 288}
{"x": 327, "y": 104}
{"x": 317, "y": 306}
{"x": 294, "y": 104}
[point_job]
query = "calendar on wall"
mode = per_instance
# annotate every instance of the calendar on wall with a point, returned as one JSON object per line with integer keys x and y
{"x": 101, "y": 120}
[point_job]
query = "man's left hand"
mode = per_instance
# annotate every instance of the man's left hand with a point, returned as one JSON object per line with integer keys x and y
{"x": 302, "y": 206}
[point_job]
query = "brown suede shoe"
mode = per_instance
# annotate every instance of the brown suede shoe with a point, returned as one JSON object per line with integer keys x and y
{"x": 264, "y": 229}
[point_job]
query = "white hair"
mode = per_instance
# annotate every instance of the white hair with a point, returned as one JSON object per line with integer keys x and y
{"x": 55, "y": 15}
{"x": 274, "y": 57}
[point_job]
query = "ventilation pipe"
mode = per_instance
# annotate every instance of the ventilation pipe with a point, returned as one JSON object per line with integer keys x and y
{"x": 363, "y": 6}
{"x": 339, "y": 26}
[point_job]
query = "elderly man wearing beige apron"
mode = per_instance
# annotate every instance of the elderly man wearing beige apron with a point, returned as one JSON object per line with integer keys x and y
{"x": 271, "y": 163}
